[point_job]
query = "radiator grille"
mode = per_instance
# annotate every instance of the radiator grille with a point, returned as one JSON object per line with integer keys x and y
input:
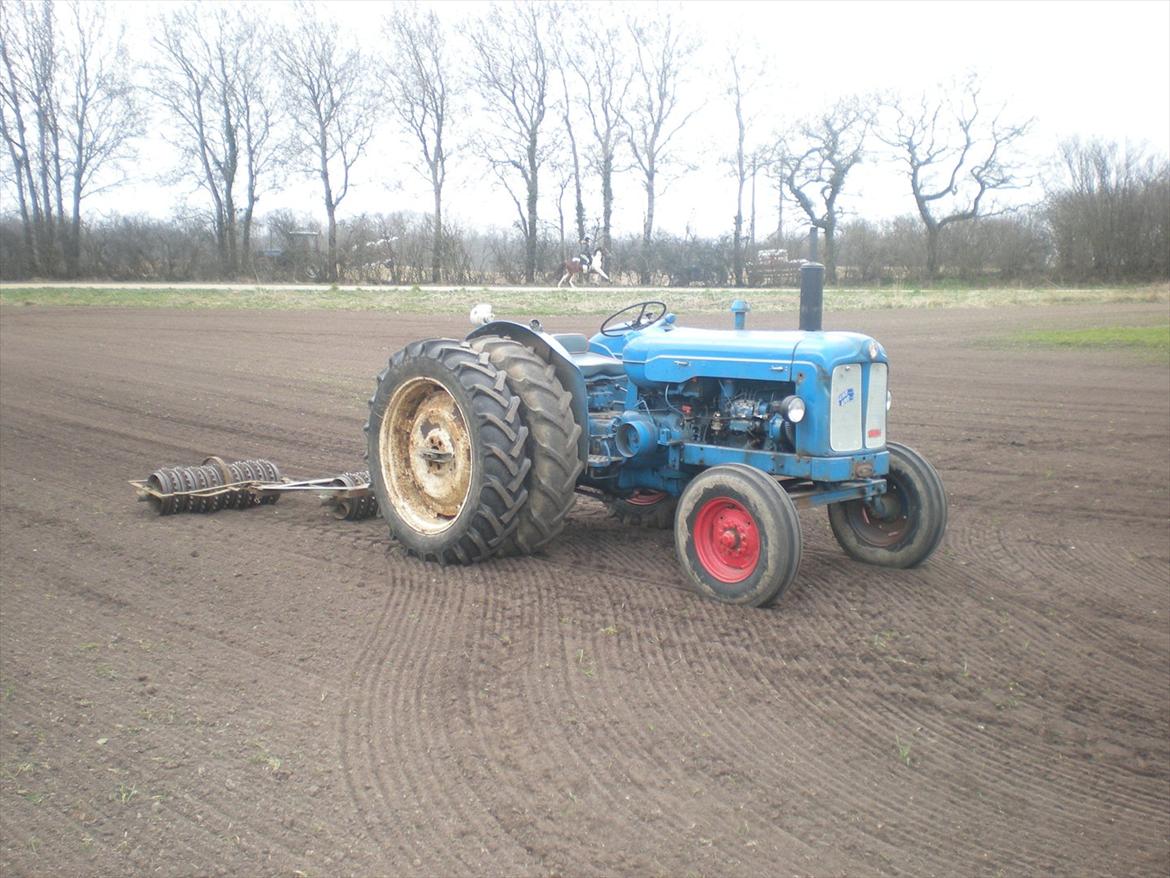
{"x": 845, "y": 404}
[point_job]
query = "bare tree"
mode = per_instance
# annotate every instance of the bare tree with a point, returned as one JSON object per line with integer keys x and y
{"x": 511, "y": 72}
{"x": 331, "y": 106}
{"x": 421, "y": 89}
{"x": 567, "y": 105}
{"x": 759, "y": 161}
{"x": 655, "y": 114}
{"x": 67, "y": 113}
{"x": 743, "y": 82}
{"x": 1109, "y": 212}
{"x": 211, "y": 80}
{"x": 955, "y": 156}
{"x": 17, "y": 104}
{"x": 102, "y": 114}
{"x": 604, "y": 76}
{"x": 817, "y": 161}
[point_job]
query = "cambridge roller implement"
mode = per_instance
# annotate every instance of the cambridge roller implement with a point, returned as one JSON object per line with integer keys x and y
{"x": 478, "y": 446}
{"x": 242, "y": 484}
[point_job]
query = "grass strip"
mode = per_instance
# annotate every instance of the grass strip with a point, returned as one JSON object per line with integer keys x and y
{"x": 541, "y": 302}
{"x": 1148, "y": 339}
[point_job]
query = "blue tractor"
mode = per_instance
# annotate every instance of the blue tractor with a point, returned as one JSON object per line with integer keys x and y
{"x": 478, "y": 447}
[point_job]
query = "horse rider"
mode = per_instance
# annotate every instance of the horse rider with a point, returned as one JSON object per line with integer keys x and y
{"x": 586, "y": 254}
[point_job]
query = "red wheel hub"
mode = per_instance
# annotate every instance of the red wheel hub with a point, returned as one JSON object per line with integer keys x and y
{"x": 727, "y": 540}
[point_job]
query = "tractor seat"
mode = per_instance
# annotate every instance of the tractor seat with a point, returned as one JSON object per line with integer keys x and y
{"x": 592, "y": 365}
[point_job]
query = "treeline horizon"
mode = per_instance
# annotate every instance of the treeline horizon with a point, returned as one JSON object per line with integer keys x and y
{"x": 248, "y": 103}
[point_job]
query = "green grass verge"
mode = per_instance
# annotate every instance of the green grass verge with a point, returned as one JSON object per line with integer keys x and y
{"x": 538, "y": 301}
{"x": 1151, "y": 340}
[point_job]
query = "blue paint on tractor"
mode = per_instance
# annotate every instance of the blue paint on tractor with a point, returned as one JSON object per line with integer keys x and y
{"x": 659, "y": 404}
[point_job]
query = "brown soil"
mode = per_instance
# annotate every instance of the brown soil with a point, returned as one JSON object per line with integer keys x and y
{"x": 272, "y": 692}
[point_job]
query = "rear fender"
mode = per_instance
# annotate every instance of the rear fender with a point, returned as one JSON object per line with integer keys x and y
{"x": 555, "y": 355}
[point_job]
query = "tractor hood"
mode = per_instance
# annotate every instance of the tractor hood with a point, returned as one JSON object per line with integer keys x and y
{"x": 671, "y": 354}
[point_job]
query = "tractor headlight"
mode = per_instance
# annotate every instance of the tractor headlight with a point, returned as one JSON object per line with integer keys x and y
{"x": 792, "y": 408}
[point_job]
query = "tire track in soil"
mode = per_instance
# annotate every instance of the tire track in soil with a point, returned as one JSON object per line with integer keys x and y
{"x": 830, "y": 700}
{"x": 694, "y": 702}
{"x": 29, "y": 711}
{"x": 661, "y": 797}
{"x": 356, "y": 726}
{"x": 1069, "y": 785}
{"x": 398, "y": 713}
{"x": 219, "y": 663}
{"x": 806, "y": 678}
{"x": 525, "y": 605}
{"x": 535, "y": 593}
{"x": 693, "y": 713}
{"x": 593, "y": 741}
{"x": 251, "y": 818}
{"x": 837, "y": 647}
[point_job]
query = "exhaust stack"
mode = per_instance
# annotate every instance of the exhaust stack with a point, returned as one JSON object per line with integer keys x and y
{"x": 812, "y": 296}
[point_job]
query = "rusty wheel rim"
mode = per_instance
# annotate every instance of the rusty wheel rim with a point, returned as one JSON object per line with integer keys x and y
{"x": 883, "y": 521}
{"x": 426, "y": 460}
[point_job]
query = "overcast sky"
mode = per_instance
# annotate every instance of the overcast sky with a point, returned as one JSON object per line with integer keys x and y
{"x": 1089, "y": 69}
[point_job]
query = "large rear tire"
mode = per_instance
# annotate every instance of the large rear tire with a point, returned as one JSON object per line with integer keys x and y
{"x": 737, "y": 534}
{"x": 902, "y": 527}
{"x": 447, "y": 451}
{"x": 547, "y": 410}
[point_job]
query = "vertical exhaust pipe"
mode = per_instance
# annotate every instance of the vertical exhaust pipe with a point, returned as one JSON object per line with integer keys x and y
{"x": 812, "y": 296}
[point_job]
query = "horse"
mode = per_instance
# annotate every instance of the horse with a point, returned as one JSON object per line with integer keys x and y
{"x": 573, "y": 268}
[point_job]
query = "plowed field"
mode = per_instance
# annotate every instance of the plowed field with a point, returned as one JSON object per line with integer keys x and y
{"x": 273, "y": 692}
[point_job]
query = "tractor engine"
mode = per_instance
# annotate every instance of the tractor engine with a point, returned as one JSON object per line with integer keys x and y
{"x": 704, "y": 410}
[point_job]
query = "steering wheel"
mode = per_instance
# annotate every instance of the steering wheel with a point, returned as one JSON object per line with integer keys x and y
{"x": 649, "y": 313}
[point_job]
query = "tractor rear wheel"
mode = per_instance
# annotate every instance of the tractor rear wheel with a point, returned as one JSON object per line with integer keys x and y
{"x": 737, "y": 534}
{"x": 650, "y": 509}
{"x": 448, "y": 452}
{"x": 547, "y": 410}
{"x": 902, "y": 527}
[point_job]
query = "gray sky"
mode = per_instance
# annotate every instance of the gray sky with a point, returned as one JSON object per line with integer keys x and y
{"x": 1080, "y": 68}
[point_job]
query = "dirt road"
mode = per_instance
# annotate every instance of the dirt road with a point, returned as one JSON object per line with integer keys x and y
{"x": 272, "y": 692}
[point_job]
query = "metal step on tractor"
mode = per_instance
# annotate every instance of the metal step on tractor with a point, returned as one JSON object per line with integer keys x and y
{"x": 478, "y": 447}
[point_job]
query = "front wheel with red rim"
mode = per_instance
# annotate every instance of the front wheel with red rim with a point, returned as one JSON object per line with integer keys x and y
{"x": 738, "y": 535}
{"x": 902, "y": 527}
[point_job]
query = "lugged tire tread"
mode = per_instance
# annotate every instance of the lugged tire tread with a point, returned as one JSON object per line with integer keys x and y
{"x": 547, "y": 410}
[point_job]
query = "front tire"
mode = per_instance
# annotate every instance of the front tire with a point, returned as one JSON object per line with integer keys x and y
{"x": 737, "y": 535}
{"x": 902, "y": 527}
{"x": 447, "y": 452}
